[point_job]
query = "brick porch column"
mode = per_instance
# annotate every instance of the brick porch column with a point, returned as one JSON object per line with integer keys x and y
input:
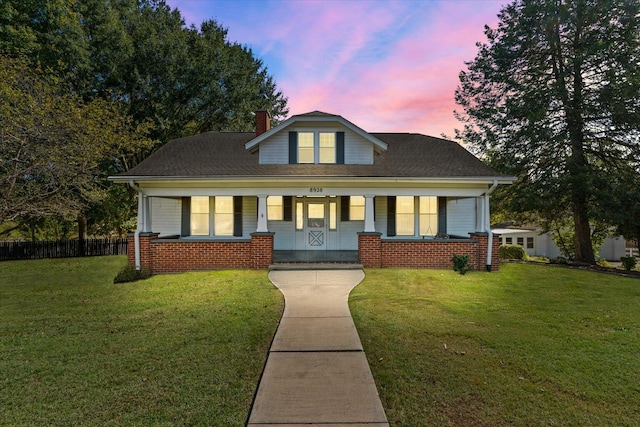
{"x": 370, "y": 249}
{"x": 145, "y": 250}
{"x": 131, "y": 249}
{"x": 483, "y": 244}
{"x": 262, "y": 250}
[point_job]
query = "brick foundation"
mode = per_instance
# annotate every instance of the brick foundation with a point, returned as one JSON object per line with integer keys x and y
{"x": 178, "y": 255}
{"x": 175, "y": 255}
{"x": 374, "y": 252}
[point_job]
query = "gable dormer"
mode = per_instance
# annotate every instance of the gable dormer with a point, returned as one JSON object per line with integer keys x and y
{"x": 315, "y": 138}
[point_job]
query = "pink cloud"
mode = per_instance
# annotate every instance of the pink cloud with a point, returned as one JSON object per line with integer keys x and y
{"x": 386, "y": 66}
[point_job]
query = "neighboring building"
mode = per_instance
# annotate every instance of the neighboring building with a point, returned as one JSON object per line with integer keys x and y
{"x": 538, "y": 243}
{"x": 316, "y": 182}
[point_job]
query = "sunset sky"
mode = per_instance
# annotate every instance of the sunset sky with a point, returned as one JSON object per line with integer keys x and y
{"x": 386, "y": 66}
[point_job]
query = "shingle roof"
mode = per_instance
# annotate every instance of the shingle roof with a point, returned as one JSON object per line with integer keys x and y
{"x": 223, "y": 154}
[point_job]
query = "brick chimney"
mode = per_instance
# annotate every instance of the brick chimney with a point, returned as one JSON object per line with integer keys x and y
{"x": 263, "y": 122}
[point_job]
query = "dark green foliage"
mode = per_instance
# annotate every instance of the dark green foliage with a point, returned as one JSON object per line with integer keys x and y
{"x": 553, "y": 98}
{"x": 131, "y": 274}
{"x": 461, "y": 263}
{"x": 559, "y": 260}
{"x": 512, "y": 252}
{"x": 628, "y": 262}
{"x": 140, "y": 57}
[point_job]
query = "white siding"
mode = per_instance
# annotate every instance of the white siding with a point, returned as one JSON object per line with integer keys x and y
{"x": 349, "y": 234}
{"x": 166, "y": 215}
{"x": 249, "y": 216}
{"x": 275, "y": 150}
{"x": 357, "y": 150}
{"x": 284, "y": 237}
{"x": 381, "y": 215}
{"x": 461, "y": 216}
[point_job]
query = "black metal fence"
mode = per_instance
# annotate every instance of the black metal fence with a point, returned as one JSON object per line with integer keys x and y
{"x": 62, "y": 249}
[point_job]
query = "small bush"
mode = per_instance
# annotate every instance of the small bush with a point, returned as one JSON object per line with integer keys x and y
{"x": 512, "y": 252}
{"x": 628, "y": 262}
{"x": 130, "y": 274}
{"x": 603, "y": 263}
{"x": 559, "y": 260}
{"x": 461, "y": 263}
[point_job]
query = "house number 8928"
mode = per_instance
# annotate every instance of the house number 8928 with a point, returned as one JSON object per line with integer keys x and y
{"x": 315, "y": 190}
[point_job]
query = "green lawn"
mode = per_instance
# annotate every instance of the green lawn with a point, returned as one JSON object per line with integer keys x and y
{"x": 527, "y": 346}
{"x": 185, "y": 349}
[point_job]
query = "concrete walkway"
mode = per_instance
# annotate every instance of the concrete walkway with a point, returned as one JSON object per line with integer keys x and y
{"x": 316, "y": 373}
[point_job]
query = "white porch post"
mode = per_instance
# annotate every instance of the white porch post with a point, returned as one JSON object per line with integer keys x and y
{"x": 481, "y": 212}
{"x": 369, "y": 223}
{"x": 262, "y": 214}
{"x": 146, "y": 219}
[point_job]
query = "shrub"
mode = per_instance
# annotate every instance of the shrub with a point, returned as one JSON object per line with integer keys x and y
{"x": 461, "y": 263}
{"x": 603, "y": 263}
{"x": 559, "y": 260}
{"x": 512, "y": 252}
{"x": 130, "y": 274}
{"x": 628, "y": 262}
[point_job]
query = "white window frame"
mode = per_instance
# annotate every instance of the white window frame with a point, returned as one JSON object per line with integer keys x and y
{"x": 356, "y": 210}
{"x": 317, "y": 149}
{"x": 275, "y": 208}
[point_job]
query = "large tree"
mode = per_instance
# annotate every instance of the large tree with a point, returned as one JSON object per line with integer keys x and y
{"x": 140, "y": 55}
{"x": 553, "y": 97}
{"x": 53, "y": 145}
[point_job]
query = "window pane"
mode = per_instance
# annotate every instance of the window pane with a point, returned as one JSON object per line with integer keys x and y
{"x": 327, "y": 147}
{"x": 428, "y": 215}
{"x": 333, "y": 215}
{"x": 299, "y": 216}
{"x": 275, "y": 210}
{"x": 223, "y": 217}
{"x": 405, "y": 224}
{"x": 315, "y": 213}
{"x": 305, "y": 147}
{"x": 356, "y": 208}
{"x": 200, "y": 224}
{"x": 521, "y": 241}
{"x": 200, "y": 204}
{"x": 508, "y": 240}
{"x": 200, "y": 216}
{"x": 529, "y": 242}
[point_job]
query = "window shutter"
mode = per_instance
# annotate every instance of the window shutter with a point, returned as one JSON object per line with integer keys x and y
{"x": 293, "y": 148}
{"x": 340, "y": 148}
{"x": 237, "y": 216}
{"x": 344, "y": 208}
{"x": 442, "y": 215}
{"x": 287, "y": 206}
{"x": 185, "y": 224}
{"x": 391, "y": 215}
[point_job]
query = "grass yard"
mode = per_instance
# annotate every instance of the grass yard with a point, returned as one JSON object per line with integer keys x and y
{"x": 527, "y": 346}
{"x": 185, "y": 349}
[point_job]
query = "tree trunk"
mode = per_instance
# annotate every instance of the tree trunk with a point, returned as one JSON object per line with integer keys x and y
{"x": 584, "y": 247}
{"x": 82, "y": 234}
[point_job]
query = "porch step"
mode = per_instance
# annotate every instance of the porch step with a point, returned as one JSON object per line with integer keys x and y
{"x": 285, "y": 266}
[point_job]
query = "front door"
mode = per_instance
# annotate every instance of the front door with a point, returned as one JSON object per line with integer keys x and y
{"x": 316, "y": 225}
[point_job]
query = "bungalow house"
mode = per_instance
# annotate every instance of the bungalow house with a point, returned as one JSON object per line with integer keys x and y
{"x": 314, "y": 187}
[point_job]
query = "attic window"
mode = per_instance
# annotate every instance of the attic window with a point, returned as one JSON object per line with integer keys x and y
{"x": 314, "y": 147}
{"x": 306, "y": 151}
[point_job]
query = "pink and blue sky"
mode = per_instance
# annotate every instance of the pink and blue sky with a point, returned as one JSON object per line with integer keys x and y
{"x": 386, "y": 66}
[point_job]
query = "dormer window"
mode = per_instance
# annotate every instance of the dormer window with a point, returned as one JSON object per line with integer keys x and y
{"x": 327, "y": 149}
{"x": 316, "y": 147}
{"x": 306, "y": 147}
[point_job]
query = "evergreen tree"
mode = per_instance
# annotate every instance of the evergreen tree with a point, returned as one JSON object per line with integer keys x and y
{"x": 553, "y": 97}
